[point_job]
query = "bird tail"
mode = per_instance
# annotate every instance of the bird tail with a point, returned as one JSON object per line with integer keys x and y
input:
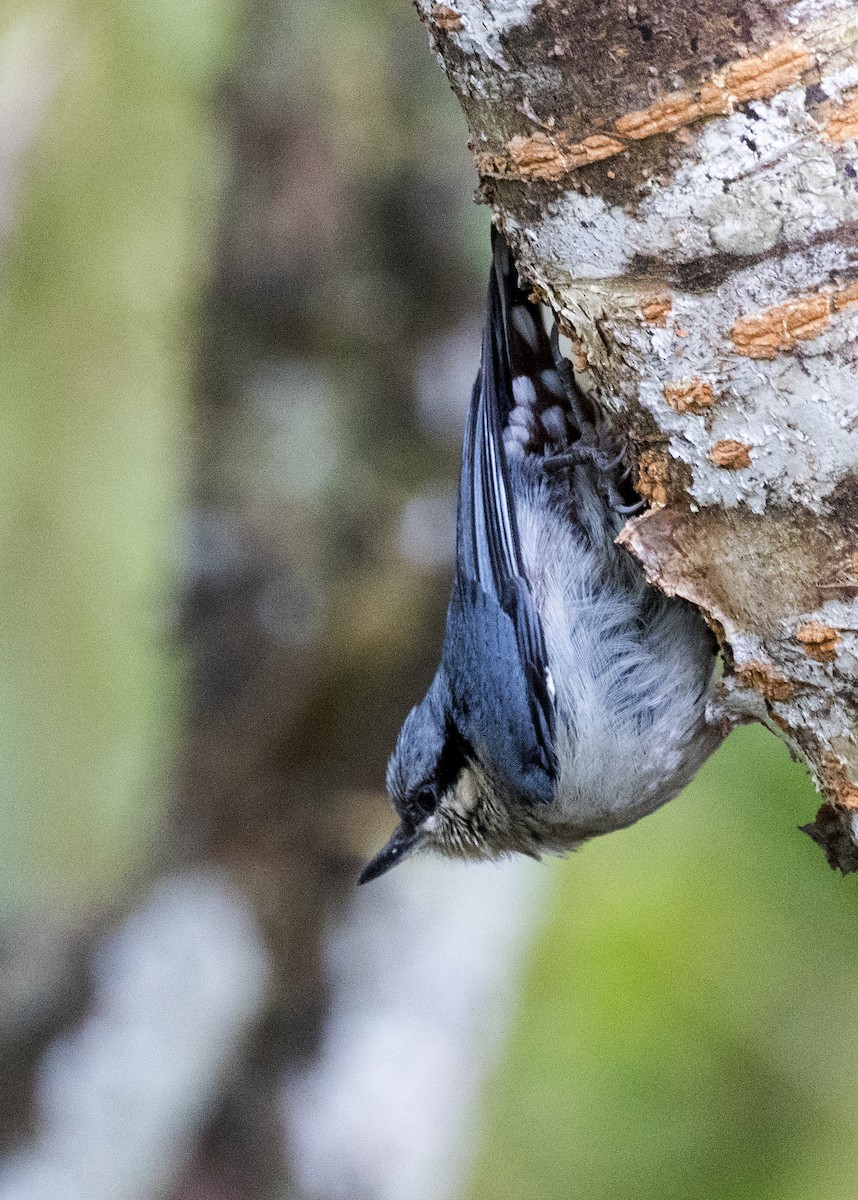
{"x": 542, "y": 409}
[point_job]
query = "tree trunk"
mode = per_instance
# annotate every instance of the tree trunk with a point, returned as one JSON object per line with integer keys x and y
{"x": 679, "y": 183}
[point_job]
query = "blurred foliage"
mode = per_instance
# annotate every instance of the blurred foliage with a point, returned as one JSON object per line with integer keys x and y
{"x": 685, "y": 1022}
{"x": 108, "y": 233}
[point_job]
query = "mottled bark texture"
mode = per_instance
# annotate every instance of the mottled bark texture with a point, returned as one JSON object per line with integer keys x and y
{"x": 679, "y": 181}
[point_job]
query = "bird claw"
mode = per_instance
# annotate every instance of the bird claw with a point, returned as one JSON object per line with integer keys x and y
{"x": 578, "y": 454}
{"x": 629, "y": 510}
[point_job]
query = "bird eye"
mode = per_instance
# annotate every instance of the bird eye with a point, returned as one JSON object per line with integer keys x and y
{"x": 425, "y": 802}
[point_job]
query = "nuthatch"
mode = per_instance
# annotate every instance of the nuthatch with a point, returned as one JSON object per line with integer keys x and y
{"x": 572, "y": 696}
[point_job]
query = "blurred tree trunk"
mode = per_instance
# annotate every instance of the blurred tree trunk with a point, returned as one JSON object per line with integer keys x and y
{"x": 306, "y": 627}
{"x": 679, "y": 183}
{"x": 108, "y": 190}
{"x": 107, "y": 197}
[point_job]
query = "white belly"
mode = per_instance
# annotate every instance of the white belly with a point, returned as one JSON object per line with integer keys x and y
{"x": 632, "y": 671}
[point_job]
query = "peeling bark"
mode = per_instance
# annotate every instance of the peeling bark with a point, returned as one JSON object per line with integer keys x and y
{"x": 680, "y": 184}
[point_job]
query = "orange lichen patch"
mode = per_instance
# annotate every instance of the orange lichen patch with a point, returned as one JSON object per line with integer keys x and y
{"x": 446, "y": 18}
{"x": 730, "y": 455}
{"x": 593, "y": 149}
{"x": 546, "y": 157}
{"x": 665, "y": 116}
{"x": 779, "y": 328}
{"x": 535, "y": 157}
{"x": 541, "y": 156}
{"x": 818, "y": 641}
{"x": 759, "y": 76}
{"x": 580, "y": 361}
{"x": 836, "y": 783}
{"x": 845, "y": 295}
{"x": 655, "y": 307}
{"x": 855, "y": 563}
{"x": 754, "y": 78}
{"x": 694, "y": 397}
{"x": 763, "y": 678}
{"x": 653, "y": 478}
{"x": 764, "y": 334}
{"x": 490, "y": 163}
{"x": 840, "y": 121}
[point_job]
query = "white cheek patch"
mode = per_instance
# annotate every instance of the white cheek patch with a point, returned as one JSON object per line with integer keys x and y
{"x": 463, "y": 797}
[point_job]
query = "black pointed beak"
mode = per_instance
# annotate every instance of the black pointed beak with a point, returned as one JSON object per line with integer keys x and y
{"x": 404, "y": 842}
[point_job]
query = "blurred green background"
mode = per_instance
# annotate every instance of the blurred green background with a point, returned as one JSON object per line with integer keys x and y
{"x": 684, "y": 1024}
{"x": 111, "y": 196}
{"x": 199, "y": 204}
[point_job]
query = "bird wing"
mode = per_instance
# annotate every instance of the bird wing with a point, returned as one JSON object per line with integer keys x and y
{"x": 489, "y": 550}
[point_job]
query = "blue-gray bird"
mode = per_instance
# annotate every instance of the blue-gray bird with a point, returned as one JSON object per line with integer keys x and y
{"x": 572, "y": 696}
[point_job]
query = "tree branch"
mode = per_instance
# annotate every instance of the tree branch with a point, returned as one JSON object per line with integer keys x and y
{"x": 679, "y": 183}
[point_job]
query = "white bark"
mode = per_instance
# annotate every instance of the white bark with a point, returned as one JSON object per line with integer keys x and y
{"x": 120, "y": 1098}
{"x": 423, "y": 973}
{"x": 680, "y": 184}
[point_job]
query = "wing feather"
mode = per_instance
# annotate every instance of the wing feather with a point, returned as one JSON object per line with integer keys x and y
{"x": 489, "y": 549}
